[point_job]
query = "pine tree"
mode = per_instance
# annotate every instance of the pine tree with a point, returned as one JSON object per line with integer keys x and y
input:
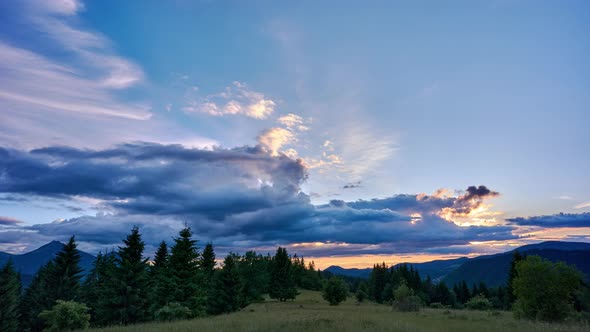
{"x": 36, "y": 298}
{"x": 298, "y": 270}
{"x": 161, "y": 286}
{"x": 311, "y": 279}
{"x": 516, "y": 257}
{"x": 161, "y": 258}
{"x": 362, "y": 292}
{"x": 131, "y": 283}
{"x": 10, "y": 288}
{"x": 208, "y": 261}
{"x": 255, "y": 276}
{"x": 65, "y": 278}
{"x": 226, "y": 292}
{"x": 377, "y": 282}
{"x": 105, "y": 291}
{"x": 483, "y": 289}
{"x": 464, "y": 293}
{"x": 89, "y": 291}
{"x": 187, "y": 278}
{"x": 282, "y": 285}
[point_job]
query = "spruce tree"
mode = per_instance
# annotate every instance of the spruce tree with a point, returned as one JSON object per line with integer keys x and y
{"x": 465, "y": 294}
{"x": 377, "y": 281}
{"x": 311, "y": 279}
{"x": 226, "y": 288}
{"x": 65, "y": 278}
{"x": 131, "y": 280}
{"x": 516, "y": 257}
{"x": 282, "y": 285}
{"x": 89, "y": 291}
{"x": 10, "y": 288}
{"x": 161, "y": 286}
{"x": 255, "y": 276}
{"x": 362, "y": 292}
{"x": 187, "y": 278}
{"x": 208, "y": 261}
{"x": 36, "y": 298}
{"x": 105, "y": 294}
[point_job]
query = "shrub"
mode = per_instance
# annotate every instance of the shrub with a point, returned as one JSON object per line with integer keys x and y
{"x": 437, "y": 305}
{"x": 545, "y": 290}
{"x": 360, "y": 295}
{"x": 335, "y": 291}
{"x": 479, "y": 302}
{"x": 173, "y": 311}
{"x": 66, "y": 316}
{"x": 362, "y": 292}
{"x": 405, "y": 300}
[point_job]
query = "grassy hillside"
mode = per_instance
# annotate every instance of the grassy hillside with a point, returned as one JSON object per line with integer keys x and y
{"x": 310, "y": 313}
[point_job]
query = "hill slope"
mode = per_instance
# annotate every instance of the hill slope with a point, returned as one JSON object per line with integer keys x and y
{"x": 493, "y": 269}
{"x": 29, "y": 263}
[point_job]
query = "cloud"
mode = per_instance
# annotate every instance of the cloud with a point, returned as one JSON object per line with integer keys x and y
{"x": 556, "y": 220}
{"x": 293, "y": 122}
{"x": 236, "y": 99}
{"x": 361, "y": 149}
{"x": 352, "y": 185}
{"x": 75, "y": 78}
{"x": 471, "y": 200}
{"x": 274, "y": 139}
{"x": 583, "y": 205}
{"x": 9, "y": 221}
{"x": 240, "y": 198}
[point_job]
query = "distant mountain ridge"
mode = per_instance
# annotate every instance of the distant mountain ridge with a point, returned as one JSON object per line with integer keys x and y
{"x": 491, "y": 269}
{"x": 28, "y": 264}
{"x": 353, "y": 272}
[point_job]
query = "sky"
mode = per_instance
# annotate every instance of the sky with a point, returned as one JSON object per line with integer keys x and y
{"x": 349, "y": 132}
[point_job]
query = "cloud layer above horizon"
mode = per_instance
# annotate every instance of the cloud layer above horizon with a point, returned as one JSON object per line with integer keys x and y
{"x": 239, "y": 198}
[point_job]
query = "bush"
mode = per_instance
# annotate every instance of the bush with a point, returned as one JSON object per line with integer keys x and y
{"x": 66, "y": 316}
{"x": 173, "y": 311}
{"x": 335, "y": 291}
{"x": 405, "y": 300}
{"x": 360, "y": 295}
{"x": 479, "y": 302}
{"x": 362, "y": 292}
{"x": 545, "y": 290}
{"x": 437, "y": 305}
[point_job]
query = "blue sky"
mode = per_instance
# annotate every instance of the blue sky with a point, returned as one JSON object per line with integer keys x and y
{"x": 336, "y": 102}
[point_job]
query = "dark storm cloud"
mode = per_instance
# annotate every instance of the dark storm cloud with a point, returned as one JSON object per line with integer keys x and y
{"x": 156, "y": 179}
{"x": 235, "y": 197}
{"x": 421, "y": 203}
{"x": 472, "y": 199}
{"x": 555, "y": 220}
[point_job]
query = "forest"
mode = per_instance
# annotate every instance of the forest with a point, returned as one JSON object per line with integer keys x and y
{"x": 182, "y": 282}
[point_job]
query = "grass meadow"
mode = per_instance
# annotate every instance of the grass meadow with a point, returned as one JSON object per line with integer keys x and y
{"x": 309, "y": 312}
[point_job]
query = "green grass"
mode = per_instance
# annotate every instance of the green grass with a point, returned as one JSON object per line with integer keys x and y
{"x": 309, "y": 312}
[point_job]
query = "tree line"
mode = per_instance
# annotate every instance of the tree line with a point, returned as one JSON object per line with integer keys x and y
{"x": 536, "y": 289}
{"x": 124, "y": 287}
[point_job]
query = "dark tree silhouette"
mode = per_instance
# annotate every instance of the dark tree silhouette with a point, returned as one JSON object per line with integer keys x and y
{"x": 282, "y": 285}
{"x": 10, "y": 288}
